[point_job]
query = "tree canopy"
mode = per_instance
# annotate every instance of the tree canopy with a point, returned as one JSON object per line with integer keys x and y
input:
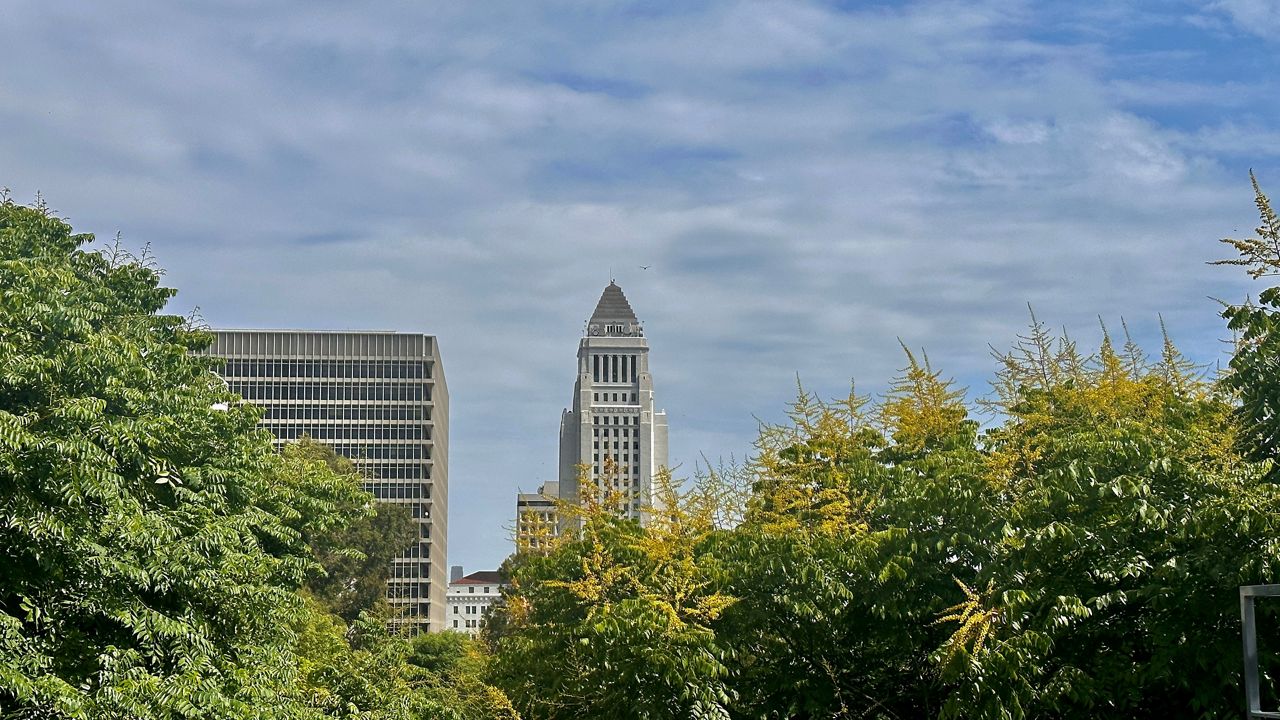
{"x": 1076, "y": 556}
{"x": 355, "y": 556}
{"x": 149, "y": 557}
{"x": 157, "y": 558}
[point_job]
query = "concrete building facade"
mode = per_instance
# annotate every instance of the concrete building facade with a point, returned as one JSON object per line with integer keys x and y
{"x": 378, "y": 399}
{"x": 471, "y": 598}
{"x": 537, "y": 517}
{"x": 612, "y": 428}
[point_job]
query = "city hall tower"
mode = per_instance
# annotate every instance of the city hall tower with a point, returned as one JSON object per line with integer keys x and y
{"x": 613, "y": 415}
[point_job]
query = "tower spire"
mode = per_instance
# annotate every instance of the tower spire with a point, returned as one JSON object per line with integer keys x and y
{"x": 613, "y": 307}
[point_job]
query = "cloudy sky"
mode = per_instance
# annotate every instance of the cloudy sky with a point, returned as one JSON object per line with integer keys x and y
{"x": 808, "y": 182}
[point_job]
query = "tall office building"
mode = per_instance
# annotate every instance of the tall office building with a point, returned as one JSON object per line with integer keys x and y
{"x": 379, "y": 399}
{"x": 612, "y": 417}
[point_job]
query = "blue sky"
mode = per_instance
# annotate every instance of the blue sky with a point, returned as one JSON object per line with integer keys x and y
{"x": 809, "y": 182}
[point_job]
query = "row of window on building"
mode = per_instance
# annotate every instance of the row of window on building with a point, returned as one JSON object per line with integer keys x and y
{"x": 381, "y": 413}
{"x": 384, "y": 452}
{"x": 535, "y": 524}
{"x": 351, "y": 432}
{"x": 393, "y": 470}
{"x": 615, "y": 397}
{"x": 614, "y": 368}
{"x": 626, "y": 498}
{"x": 408, "y": 570}
{"x": 605, "y": 433}
{"x": 415, "y": 551}
{"x": 383, "y": 369}
{"x": 401, "y": 590}
{"x": 337, "y": 391}
{"x": 605, "y": 464}
{"x": 399, "y": 491}
{"x": 620, "y": 483}
{"x": 362, "y": 455}
{"x": 407, "y": 609}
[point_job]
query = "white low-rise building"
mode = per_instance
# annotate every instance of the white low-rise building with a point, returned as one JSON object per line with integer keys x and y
{"x": 470, "y": 599}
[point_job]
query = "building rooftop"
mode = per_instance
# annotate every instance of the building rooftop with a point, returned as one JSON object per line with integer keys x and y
{"x": 480, "y": 577}
{"x": 548, "y": 492}
{"x": 613, "y": 307}
{"x": 321, "y": 332}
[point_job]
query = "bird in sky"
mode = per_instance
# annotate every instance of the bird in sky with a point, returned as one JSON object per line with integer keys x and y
{"x": 645, "y": 267}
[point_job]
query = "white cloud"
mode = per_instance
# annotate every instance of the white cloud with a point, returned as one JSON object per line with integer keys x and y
{"x": 808, "y": 186}
{"x": 1019, "y": 132}
{"x": 1246, "y": 140}
{"x": 1127, "y": 147}
{"x": 1260, "y": 17}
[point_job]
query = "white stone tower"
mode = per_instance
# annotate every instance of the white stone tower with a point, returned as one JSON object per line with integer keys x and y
{"x": 613, "y": 414}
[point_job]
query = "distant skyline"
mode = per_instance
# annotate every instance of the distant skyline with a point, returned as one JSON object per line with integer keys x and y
{"x": 807, "y": 183}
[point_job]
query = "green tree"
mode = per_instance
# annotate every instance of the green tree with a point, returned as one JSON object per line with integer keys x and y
{"x": 355, "y": 555}
{"x": 362, "y": 671}
{"x": 860, "y": 520}
{"x": 460, "y": 667}
{"x": 150, "y": 550}
{"x": 1130, "y": 521}
{"x": 613, "y": 622}
{"x": 1253, "y": 376}
{"x": 366, "y": 672}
